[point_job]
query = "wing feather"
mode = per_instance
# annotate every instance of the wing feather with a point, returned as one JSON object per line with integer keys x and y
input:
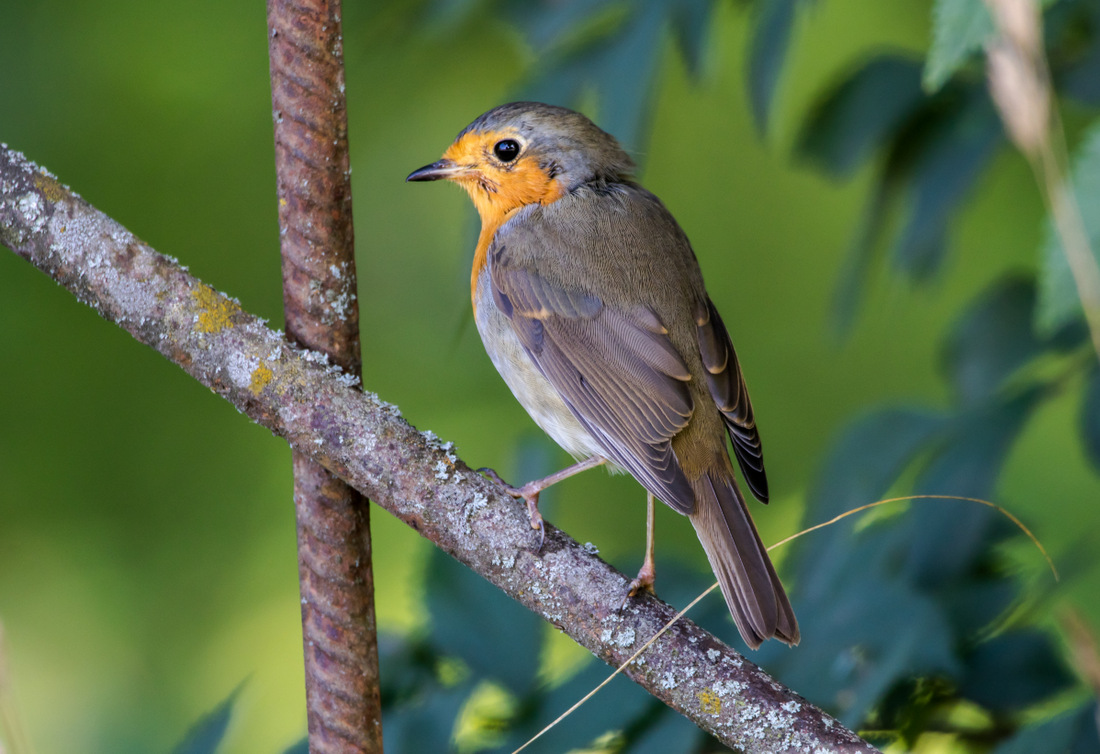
{"x": 616, "y": 370}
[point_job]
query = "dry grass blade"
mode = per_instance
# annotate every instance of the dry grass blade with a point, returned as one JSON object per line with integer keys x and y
{"x": 1020, "y": 85}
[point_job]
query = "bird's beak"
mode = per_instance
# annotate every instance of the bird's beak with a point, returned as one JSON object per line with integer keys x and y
{"x": 442, "y": 169}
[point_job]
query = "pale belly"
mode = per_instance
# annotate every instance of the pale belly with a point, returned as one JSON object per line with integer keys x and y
{"x": 533, "y": 391}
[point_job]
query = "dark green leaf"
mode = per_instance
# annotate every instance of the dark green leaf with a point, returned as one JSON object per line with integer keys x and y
{"x": 619, "y": 65}
{"x": 1059, "y": 302}
{"x": 690, "y": 23}
{"x": 951, "y": 538}
{"x": 1014, "y": 671}
{"x": 992, "y": 339}
{"x": 625, "y": 71}
{"x": 1090, "y": 417}
{"x": 206, "y": 735}
{"x": 857, "y": 264}
{"x": 659, "y": 730}
{"x": 959, "y": 29}
{"x": 771, "y": 37}
{"x": 1074, "y": 732}
{"x": 302, "y": 747}
{"x": 952, "y": 155}
{"x": 1080, "y": 78}
{"x": 862, "y": 634}
{"x": 613, "y": 708}
{"x": 862, "y": 465}
{"x": 408, "y": 668}
{"x": 425, "y": 726}
{"x": 550, "y": 24}
{"x": 473, "y": 620}
{"x": 860, "y": 114}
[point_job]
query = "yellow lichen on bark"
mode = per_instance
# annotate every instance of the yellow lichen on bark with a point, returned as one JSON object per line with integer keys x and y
{"x": 215, "y": 310}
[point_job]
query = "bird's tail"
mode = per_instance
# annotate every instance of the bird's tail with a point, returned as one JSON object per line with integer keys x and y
{"x": 749, "y": 583}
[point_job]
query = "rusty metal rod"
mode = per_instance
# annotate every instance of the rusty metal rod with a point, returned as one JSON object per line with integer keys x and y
{"x": 322, "y": 314}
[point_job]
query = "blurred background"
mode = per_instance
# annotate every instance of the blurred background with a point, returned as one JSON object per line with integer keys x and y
{"x": 873, "y": 250}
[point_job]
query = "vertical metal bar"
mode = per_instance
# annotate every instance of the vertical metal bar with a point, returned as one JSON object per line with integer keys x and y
{"x": 322, "y": 314}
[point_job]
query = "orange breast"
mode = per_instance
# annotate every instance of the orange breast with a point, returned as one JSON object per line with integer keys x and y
{"x": 492, "y": 219}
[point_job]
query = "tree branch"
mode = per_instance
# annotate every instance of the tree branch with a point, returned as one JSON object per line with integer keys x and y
{"x": 363, "y": 440}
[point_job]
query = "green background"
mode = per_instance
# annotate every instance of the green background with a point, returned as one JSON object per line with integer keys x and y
{"x": 147, "y": 561}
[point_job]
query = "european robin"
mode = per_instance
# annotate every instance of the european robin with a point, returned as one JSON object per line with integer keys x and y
{"x": 591, "y": 305}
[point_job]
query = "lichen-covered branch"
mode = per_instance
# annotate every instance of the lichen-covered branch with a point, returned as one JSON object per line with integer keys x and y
{"x": 413, "y": 475}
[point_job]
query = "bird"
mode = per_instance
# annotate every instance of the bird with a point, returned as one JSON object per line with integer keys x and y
{"x": 591, "y": 305}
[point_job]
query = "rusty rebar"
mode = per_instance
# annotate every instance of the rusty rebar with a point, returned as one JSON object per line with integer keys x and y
{"x": 322, "y": 314}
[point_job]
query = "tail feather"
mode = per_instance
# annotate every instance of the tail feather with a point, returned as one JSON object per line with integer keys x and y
{"x": 755, "y": 596}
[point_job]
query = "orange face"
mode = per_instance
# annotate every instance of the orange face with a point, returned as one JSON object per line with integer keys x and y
{"x": 499, "y": 173}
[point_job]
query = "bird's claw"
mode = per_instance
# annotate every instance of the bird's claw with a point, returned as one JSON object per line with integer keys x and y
{"x": 643, "y": 582}
{"x": 529, "y": 493}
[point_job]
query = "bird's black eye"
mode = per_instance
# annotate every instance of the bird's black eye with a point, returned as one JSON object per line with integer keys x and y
{"x": 506, "y": 150}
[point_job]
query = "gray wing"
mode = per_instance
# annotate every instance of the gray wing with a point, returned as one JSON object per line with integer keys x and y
{"x": 616, "y": 370}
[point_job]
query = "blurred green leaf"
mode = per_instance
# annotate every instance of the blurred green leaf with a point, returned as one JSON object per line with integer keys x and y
{"x": 614, "y": 708}
{"x": 505, "y": 645}
{"x": 771, "y": 36}
{"x": 1059, "y": 302}
{"x": 934, "y": 156}
{"x": 863, "y": 463}
{"x": 959, "y": 29}
{"x": 690, "y": 23}
{"x": 1074, "y": 732}
{"x": 547, "y": 24}
{"x": 619, "y": 64}
{"x": 1013, "y": 671}
{"x": 1072, "y": 37}
{"x": 302, "y": 747}
{"x": 864, "y": 634}
{"x": 949, "y": 539}
{"x": 660, "y": 730}
{"x": 624, "y": 73}
{"x": 1090, "y": 417}
{"x": 425, "y": 725}
{"x": 861, "y": 114}
{"x": 951, "y": 155}
{"x": 992, "y": 339}
{"x": 851, "y": 283}
{"x": 206, "y": 735}
{"x": 409, "y": 669}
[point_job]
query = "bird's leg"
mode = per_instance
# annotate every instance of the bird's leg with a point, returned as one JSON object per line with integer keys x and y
{"x": 530, "y": 491}
{"x": 648, "y": 573}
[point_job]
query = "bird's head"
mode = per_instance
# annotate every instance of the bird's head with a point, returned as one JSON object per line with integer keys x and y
{"x": 527, "y": 153}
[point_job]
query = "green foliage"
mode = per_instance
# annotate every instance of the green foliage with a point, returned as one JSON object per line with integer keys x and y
{"x": 933, "y": 150}
{"x": 767, "y": 53}
{"x": 1058, "y": 300}
{"x": 1073, "y": 732}
{"x": 207, "y": 733}
{"x": 959, "y": 30}
{"x": 478, "y": 635}
{"x": 587, "y": 45}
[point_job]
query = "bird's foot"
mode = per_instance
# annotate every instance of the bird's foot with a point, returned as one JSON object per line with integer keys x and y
{"x": 529, "y": 493}
{"x": 643, "y": 582}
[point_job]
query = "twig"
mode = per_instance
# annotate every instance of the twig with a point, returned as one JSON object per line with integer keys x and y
{"x": 1020, "y": 84}
{"x": 412, "y": 475}
{"x": 339, "y": 631}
